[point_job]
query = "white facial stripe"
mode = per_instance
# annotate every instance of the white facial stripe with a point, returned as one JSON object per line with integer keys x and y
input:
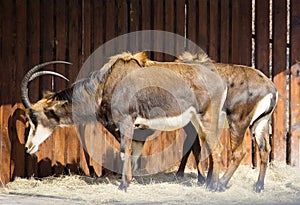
{"x": 29, "y": 137}
{"x": 168, "y": 123}
{"x": 262, "y": 106}
{"x": 41, "y": 134}
{"x": 33, "y": 149}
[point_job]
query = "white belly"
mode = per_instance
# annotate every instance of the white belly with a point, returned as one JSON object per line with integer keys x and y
{"x": 167, "y": 123}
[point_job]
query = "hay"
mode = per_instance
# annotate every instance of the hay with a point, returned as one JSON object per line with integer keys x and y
{"x": 282, "y": 186}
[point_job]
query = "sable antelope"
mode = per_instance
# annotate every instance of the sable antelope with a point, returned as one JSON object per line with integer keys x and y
{"x": 250, "y": 102}
{"x": 130, "y": 93}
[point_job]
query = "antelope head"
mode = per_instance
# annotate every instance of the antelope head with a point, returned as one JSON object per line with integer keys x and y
{"x": 44, "y": 115}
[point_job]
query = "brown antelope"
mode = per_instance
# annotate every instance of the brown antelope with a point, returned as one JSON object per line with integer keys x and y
{"x": 130, "y": 93}
{"x": 250, "y": 102}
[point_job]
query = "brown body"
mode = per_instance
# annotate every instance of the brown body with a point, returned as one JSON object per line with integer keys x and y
{"x": 130, "y": 92}
{"x": 250, "y": 102}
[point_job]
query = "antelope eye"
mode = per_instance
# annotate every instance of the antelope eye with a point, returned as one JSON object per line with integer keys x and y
{"x": 51, "y": 115}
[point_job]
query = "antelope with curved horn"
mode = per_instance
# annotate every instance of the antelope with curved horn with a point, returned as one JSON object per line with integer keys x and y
{"x": 130, "y": 93}
{"x": 41, "y": 119}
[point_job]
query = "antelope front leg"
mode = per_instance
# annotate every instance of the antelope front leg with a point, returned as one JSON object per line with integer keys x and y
{"x": 213, "y": 175}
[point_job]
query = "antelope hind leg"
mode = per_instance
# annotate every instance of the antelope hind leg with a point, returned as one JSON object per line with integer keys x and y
{"x": 261, "y": 133}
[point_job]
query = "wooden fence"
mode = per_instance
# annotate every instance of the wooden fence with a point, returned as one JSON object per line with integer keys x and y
{"x": 35, "y": 31}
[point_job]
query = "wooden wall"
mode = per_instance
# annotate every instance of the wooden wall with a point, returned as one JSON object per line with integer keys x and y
{"x": 35, "y": 31}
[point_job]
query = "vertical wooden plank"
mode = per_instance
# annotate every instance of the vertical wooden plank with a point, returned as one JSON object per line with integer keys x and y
{"x": 241, "y": 32}
{"x": 245, "y": 32}
{"x": 87, "y": 28}
{"x": 134, "y": 15}
{"x": 5, "y": 174}
{"x": 122, "y": 17}
{"x": 146, "y": 21}
{"x": 121, "y": 24}
{"x": 262, "y": 29}
{"x": 1, "y": 49}
{"x": 295, "y": 100}
{"x": 8, "y": 54}
{"x": 225, "y": 31}
{"x": 293, "y": 143}
{"x": 203, "y": 25}
{"x": 214, "y": 30}
{"x": 158, "y": 24}
{"x": 241, "y": 51}
{"x": 134, "y": 44}
{"x": 279, "y": 56}
{"x": 16, "y": 122}
{"x": 59, "y": 136}
{"x": 179, "y": 25}
{"x": 33, "y": 47}
{"x": 2, "y": 173}
{"x": 109, "y": 51}
{"x": 17, "y": 119}
{"x": 8, "y": 69}
{"x": 191, "y": 22}
{"x": 60, "y": 42}
{"x": 235, "y": 28}
{"x": 47, "y": 42}
{"x": 47, "y": 53}
{"x": 110, "y": 27}
{"x": 87, "y": 13}
{"x": 246, "y": 55}
{"x": 74, "y": 45}
{"x": 225, "y": 26}
{"x": 110, "y": 24}
{"x": 21, "y": 58}
{"x": 262, "y": 48}
{"x": 98, "y": 31}
{"x": 98, "y": 24}
{"x": 170, "y": 22}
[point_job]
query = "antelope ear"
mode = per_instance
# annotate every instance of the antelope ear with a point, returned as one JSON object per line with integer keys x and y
{"x": 48, "y": 94}
{"x": 54, "y": 104}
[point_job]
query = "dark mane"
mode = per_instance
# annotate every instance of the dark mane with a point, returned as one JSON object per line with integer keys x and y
{"x": 64, "y": 95}
{"x": 87, "y": 87}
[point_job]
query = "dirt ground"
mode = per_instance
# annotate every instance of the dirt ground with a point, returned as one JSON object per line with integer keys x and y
{"x": 282, "y": 186}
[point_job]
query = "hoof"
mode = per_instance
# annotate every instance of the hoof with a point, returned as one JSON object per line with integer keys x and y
{"x": 201, "y": 180}
{"x": 213, "y": 187}
{"x": 258, "y": 187}
{"x": 123, "y": 187}
{"x": 221, "y": 187}
{"x": 179, "y": 174}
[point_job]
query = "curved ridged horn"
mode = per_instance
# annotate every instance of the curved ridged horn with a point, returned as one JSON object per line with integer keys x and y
{"x": 40, "y": 73}
{"x": 31, "y": 74}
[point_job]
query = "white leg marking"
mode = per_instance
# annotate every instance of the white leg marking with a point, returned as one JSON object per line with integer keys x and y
{"x": 262, "y": 106}
{"x": 260, "y": 130}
